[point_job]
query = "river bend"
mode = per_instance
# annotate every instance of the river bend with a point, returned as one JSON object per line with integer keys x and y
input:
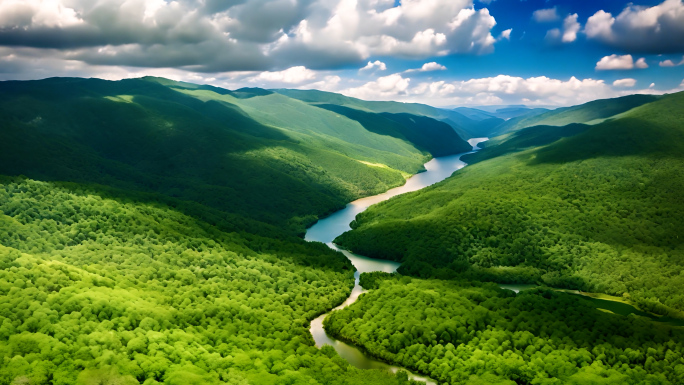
{"x": 329, "y": 228}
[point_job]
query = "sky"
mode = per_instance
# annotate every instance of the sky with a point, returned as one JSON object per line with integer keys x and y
{"x": 438, "y": 52}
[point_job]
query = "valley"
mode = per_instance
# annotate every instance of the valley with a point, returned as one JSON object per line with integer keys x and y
{"x": 189, "y": 238}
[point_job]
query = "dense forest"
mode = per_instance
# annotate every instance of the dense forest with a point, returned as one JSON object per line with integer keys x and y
{"x": 98, "y": 289}
{"x": 250, "y": 152}
{"x": 148, "y": 230}
{"x": 598, "y": 209}
{"x": 464, "y": 332}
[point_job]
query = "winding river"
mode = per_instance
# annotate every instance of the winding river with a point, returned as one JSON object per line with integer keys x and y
{"x": 329, "y": 228}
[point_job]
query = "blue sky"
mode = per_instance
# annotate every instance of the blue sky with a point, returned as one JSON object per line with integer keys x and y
{"x": 440, "y": 52}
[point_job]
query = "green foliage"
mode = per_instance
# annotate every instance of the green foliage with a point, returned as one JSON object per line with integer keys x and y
{"x": 102, "y": 290}
{"x": 525, "y": 138}
{"x": 466, "y": 126}
{"x": 426, "y": 133}
{"x": 462, "y": 332}
{"x": 590, "y": 113}
{"x": 250, "y": 152}
{"x": 600, "y": 211}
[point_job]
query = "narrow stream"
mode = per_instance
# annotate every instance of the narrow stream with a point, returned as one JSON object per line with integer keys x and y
{"x": 329, "y": 228}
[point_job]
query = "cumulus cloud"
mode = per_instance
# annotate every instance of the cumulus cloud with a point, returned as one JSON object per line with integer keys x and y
{"x": 545, "y": 15}
{"x": 620, "y": 62}
{"x": 657, "y": 29}
{"x": 570, "y": 28}
{"x": 641, "y": 63}
{"x": 625, "y": 82}
{"x": 428, "y": 67}
{"x": 384, "y": 88}
{"x": 502, "y": 89}
{"x": 329, "y": 83}
{"x": 568, "y": 34}
{"x": 670, "y": 63}
{"x": 376, "y": 64}
{"x": 213, "y": 35}
{"x": 292, "y": 75}
{"x": 506, "y": 34}
{"x": 533, "y": 89}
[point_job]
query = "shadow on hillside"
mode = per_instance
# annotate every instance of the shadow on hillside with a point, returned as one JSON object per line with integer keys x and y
{"x": 623, "y": 137}
{"x": 526, "y": 138}
{"x": 157, "y": 140}
{"x": 427, "y": 134}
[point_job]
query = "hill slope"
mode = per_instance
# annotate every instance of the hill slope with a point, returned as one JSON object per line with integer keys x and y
{"x": 466, "y": 126}
{"x": 148, "y": 230}
{"x": 590, "y": 113}
{"x": 250, "y": 152}
{"x": 103, "y": 289}
{"x": 598, "y": 211}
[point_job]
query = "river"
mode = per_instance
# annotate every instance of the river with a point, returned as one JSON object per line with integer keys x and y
{"x": 329, "y": 228}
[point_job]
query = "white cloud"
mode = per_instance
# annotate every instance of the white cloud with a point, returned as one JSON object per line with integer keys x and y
{"x": 384, "y": 88}
{"x": 329, "y": 83}
{"x": 570, "y": 28}
{"x": 568, "y": 34}
{"x": 624, "y": 82}
{"x": 670, "y": 63}
{"x": 506, "y": 34}
{"x": 292, "y": 75}
{"x": 509, "y": 89}
{"x": 37, "y": 13}
{"x": 641, "y": 63}
{"x": 617, "y": 62}
{"x": 219, "y": 36}
{"x": 657, "y": 29}
{"x": 415, "y": 28}
{"x": 427, "y": 67}
{"x": 502, "y": 89}
{"x": 545, "y": 15}
{"x": 376, "y": 64}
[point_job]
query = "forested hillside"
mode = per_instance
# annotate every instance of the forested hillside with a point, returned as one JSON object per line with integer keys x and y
{"x": 99, "y": 289}
{"x": 148, "y": 230}
{"x": 590, "y": 113}
{"x": 471, "y": 126}
{"x": 462, "y": 332}
{"x": 598, "y": 209}
{"x": 249, "y": 152}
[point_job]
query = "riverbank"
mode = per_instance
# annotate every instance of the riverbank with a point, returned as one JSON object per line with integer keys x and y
{"x": 330, "y": 227}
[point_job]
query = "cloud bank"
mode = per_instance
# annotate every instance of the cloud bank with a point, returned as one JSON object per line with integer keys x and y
{"x": 637, "y": 29}
{"x": 240, "y": 35}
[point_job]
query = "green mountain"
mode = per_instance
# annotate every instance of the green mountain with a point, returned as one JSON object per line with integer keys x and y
{"x": 500, "y": 112}
{"x": 466, "y": 126}
{"x": 250, "y": 152}
{"x": 148, "y": 229}
{"x": 589, "y": 113}
{"x": 591, "y": 207}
